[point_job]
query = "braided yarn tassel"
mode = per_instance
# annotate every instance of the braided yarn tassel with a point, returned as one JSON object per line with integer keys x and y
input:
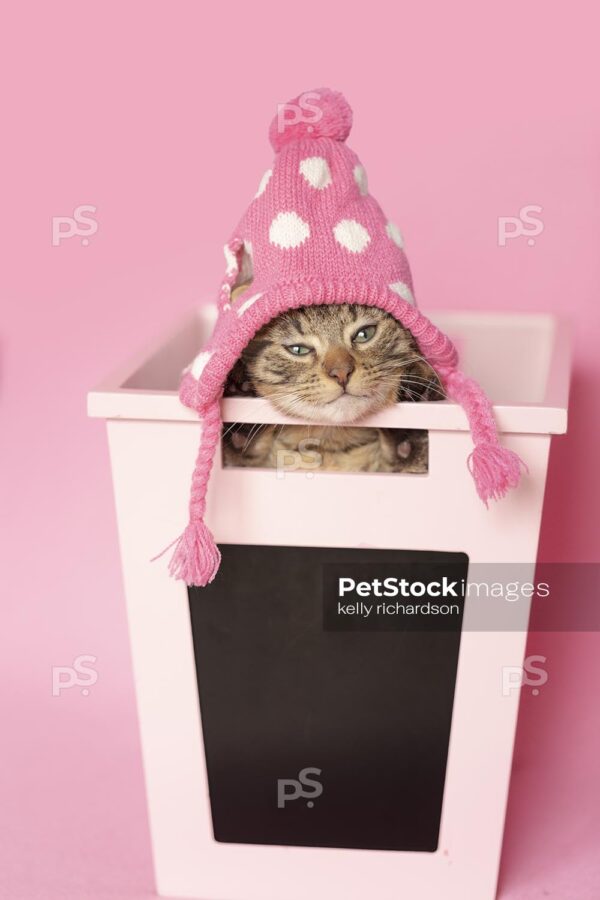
{"x": 494, "y": 468}
{"x": 196, "y": 558}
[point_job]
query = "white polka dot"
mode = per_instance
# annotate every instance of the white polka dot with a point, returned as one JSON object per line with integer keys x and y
{"x": 399, "y": 287}
{"x": 248, "y": 303}
{"x": 351, "y": 235}
{"x": 263, "y": 183}
{"x": 395, "y": 234}
{"x": 288, "y": 230}
{"x": 231, "y": 260}
{"x": 199, "y": 363}
{"x": 360, "y": 177}
{"x": 316, "y": 171}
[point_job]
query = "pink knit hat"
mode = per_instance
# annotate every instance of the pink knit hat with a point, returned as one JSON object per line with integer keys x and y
{"x": 314, "y": 235}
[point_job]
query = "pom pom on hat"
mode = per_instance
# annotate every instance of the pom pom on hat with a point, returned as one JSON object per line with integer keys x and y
{"x": 313, "y": 114}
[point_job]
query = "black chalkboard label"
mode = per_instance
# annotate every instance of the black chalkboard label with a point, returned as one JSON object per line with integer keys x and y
{"x": 326, "y": 728}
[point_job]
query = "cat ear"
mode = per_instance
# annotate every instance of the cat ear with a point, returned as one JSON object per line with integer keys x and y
{"x": 239, "y": 271}
{"x": 239, "y": 289}
{"x": 420, "y": 382}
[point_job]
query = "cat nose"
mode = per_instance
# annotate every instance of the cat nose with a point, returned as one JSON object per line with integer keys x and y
{"x": 339, "y": 365}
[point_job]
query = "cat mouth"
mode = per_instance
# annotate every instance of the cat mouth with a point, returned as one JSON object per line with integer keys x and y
{"x": 344, "y": 409}
{"x": 347, "y": 408}
{"x": 348, "y": 395}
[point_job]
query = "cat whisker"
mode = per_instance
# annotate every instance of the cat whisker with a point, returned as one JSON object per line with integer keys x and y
{"x": 231, "y": 427}
{"x": 413, "y": 396}
{"x": 420, "y": 382}
{"x": 254, "y": 430}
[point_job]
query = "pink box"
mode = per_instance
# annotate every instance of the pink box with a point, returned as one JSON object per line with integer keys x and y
{"x": 523, "y": 363}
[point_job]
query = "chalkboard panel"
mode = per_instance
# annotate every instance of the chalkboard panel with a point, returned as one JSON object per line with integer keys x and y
{"x": 321, "y": 729}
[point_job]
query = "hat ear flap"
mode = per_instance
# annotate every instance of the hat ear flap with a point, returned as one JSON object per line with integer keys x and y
{"x": 196, "y": 557}
{"x": 495, "y": 469}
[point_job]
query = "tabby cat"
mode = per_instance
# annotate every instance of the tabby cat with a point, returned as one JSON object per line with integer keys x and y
{"x": 331, "y": 365}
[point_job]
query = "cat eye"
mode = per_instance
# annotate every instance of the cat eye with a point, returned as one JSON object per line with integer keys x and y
{"x": 299, "y": 349}
{"x": 364, "y": 334}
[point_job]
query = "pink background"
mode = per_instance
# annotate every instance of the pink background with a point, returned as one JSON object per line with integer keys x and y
{"x": 157, "y": 115}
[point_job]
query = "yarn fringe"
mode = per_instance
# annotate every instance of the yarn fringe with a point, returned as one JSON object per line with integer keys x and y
{"x": 495, "y": 470}
{"x": 196, "y": 557}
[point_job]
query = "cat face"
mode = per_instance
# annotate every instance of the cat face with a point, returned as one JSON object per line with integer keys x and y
{"x": 336, "y": 364}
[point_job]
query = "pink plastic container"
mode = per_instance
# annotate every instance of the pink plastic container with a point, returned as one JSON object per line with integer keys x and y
{"x": 522, "y": 361}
